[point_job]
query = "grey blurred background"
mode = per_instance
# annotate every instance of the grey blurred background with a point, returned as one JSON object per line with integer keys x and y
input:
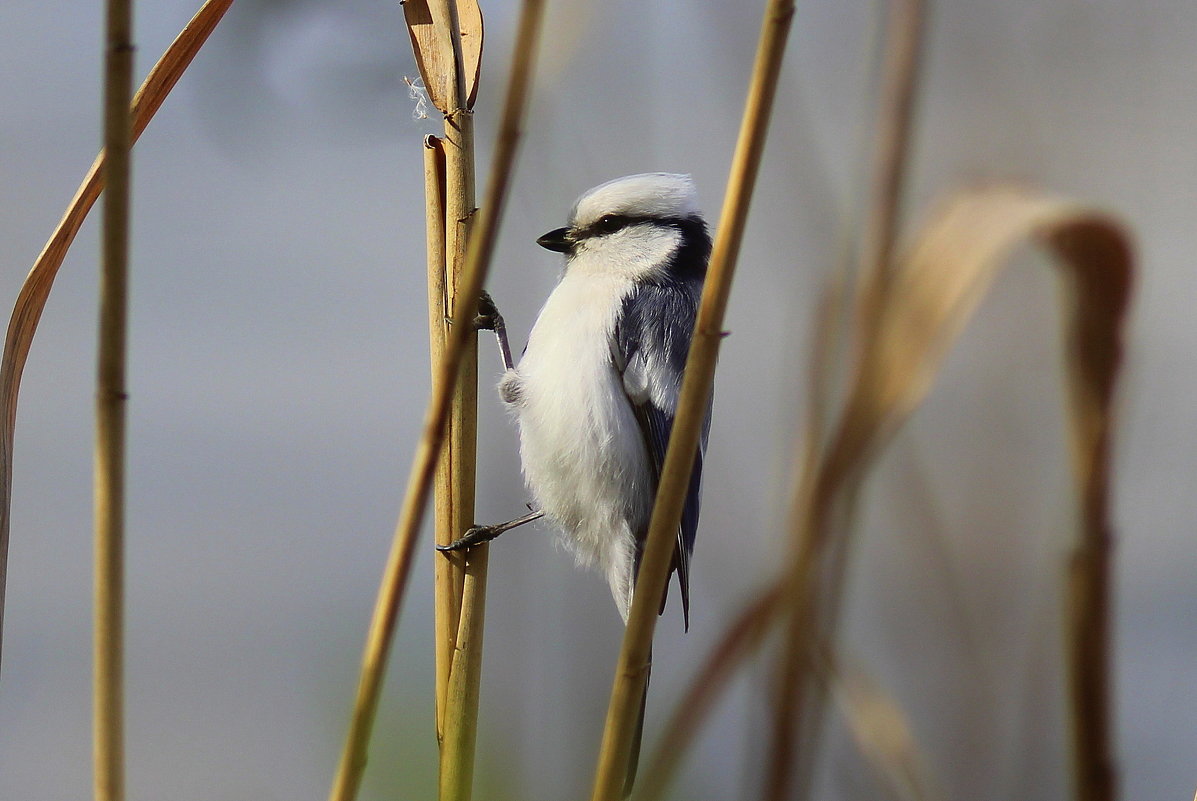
{"x": 279, "y": 373}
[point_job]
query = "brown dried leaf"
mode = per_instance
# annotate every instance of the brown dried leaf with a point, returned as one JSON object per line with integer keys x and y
{"x": 912, "y": 322}
{"x": 940, "y": 281}
{"x": 428, "y": 25}
{"x": 926, "y": 302}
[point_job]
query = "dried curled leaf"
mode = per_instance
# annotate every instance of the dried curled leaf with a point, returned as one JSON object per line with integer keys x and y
{"x": 429, "y": 23}
{"x": 31, "y": 300}
{"x": 910, "y": 320}
{"x": 943, "y": 277}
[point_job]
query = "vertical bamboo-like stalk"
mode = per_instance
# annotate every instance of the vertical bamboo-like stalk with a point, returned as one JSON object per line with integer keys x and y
{"x": 399, "y": 562}
{"x": 461, "y": 700}
{"x": 447, "y": 600}
{"x": 110, "y": 410}
{"x": 1087, "y": 639}
{"x": 456, "y": 469}
{"x": 32, "y": 298}
{"x": 1093, "y": 375}
{"x": 460, "y": 578}
{"x": 632, "y": 669}
{"x": 463, "y": 691}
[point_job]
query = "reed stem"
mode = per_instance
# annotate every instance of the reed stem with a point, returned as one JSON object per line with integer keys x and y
{"x": 461, "y": 717}
{"x": 446, "y": 599}
{"x": 1096, "y": 314}
{"x": 398, "y": 568}
{"x": 456, "y": 470}
{"x": 632, "y": 669}
{"x": 31, "y": 300}
{"x": 457, "y": 575}
{"x": 110, "y": 410}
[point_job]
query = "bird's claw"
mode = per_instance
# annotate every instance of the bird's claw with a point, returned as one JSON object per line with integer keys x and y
{"x": 488, "y": 317}
{"x": 475, "y": 535}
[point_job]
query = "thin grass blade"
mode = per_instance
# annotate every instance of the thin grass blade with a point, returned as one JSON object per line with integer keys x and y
{"x": 879, "y": 726}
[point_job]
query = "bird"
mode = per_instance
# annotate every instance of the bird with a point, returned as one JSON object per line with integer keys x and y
{"x": 595, "y": 392}
{"x": 596, "y": 389}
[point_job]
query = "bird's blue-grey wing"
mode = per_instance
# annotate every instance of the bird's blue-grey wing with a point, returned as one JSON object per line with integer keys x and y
{"x": 652, "y": 340}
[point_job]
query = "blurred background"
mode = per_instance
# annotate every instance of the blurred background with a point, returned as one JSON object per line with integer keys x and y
{"x": 278, "y": 375}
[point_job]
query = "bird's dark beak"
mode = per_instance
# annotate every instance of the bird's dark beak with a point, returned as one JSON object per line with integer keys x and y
{"x": 557, "y": 240}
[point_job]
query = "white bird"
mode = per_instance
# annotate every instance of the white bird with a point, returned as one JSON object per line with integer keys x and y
{"x": 596, "y": 390}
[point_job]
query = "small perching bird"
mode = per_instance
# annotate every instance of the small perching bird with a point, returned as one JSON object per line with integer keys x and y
{"x": 596, "y": 390}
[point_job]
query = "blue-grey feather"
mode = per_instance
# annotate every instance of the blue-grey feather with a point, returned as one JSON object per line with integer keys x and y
{"x": 652, "y": 336}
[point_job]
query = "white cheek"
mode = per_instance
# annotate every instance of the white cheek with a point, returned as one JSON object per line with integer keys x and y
{"x": 632, "y": 253}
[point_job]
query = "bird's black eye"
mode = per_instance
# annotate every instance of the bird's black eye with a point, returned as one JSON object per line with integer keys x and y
{"x": 610, "y": 223}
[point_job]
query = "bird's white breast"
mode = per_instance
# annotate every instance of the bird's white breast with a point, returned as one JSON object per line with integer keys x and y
{"x": 583, "y": 454}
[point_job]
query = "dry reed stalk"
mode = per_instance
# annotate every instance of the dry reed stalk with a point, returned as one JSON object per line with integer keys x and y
{"x": 446, "y": 37}
{"x": 455, "y": 500}
{"x": 632, "y": 669}
{"x": 447, "y": 608}
{"x": 461, "y": 702}
{"x": 460, "y": 578}
{"x": 740, "y": 640}
{"x": 108, "y": 683}
{"x": 903, "y": 36}
{"x": 31, "y": 300}
{"x": 1097, "y": 307}
{"x": 397, "y": 572}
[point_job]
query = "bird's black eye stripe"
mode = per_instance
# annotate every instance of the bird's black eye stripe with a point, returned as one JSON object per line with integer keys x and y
{"x": 610, "y": 223}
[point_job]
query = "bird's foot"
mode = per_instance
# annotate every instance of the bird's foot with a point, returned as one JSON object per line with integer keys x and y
{"x": 475, "y": 535}
{"x": 488, "y": 317}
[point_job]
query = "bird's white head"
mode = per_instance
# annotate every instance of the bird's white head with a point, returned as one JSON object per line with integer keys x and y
{"x": 636, "y": 227}
{"x": 648, "y": 195}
